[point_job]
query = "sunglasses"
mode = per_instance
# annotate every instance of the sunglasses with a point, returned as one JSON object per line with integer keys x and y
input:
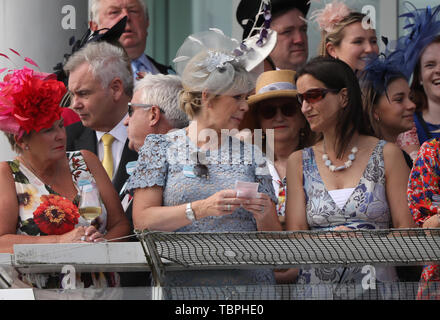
{"x": 314, "y": 95}
{"x": 200, "y": 170}
{"x": 140, "y": 105}
{"x": 287, "y": 110}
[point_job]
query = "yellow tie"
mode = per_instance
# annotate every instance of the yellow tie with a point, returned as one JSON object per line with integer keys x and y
{"x": 107, "y": 161}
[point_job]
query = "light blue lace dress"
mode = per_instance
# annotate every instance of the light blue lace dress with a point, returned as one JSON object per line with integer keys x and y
{"x": 161, "y": 163}
{"x": 366, "y": 208}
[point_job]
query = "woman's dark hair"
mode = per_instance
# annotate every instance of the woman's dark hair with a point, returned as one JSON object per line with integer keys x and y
{"x": 336, "y": 74}
{"x": 420, "y": 98}
{"x": 371, "y": 95}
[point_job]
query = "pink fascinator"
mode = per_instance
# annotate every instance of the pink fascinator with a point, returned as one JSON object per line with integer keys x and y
{"x": 332, "y": 14}
{"x": 29, "y": 100}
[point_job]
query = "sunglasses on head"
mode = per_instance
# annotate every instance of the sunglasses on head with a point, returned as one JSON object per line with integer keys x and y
{"x": 314, "y": 95}
{"x": 200, "y": 170}
{"x": 287, "y": 110}
{"x": 140, "y": 105}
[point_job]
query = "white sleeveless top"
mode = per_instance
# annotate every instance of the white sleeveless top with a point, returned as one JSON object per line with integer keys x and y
{"x": 340, "y": 196}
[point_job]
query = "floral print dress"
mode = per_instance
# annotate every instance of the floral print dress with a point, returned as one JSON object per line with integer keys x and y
{"x": 423, "y": 197}
{"x": 366, "y": 208}
{"x": 44, "y": 212}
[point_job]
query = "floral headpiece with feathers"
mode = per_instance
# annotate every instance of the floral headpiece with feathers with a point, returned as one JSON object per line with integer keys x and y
{"x": 226, "y": 56}
{"x": 111, "y": 36}
{"x": 330, "y": 15}
{"x": 29, "y": 99}
{"x": 383, "y": 68}
{"x": 423, "y": 25}
{"x": 401, "y": 56}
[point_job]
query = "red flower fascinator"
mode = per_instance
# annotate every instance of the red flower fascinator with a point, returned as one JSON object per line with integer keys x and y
{"x": 29, "y": 100}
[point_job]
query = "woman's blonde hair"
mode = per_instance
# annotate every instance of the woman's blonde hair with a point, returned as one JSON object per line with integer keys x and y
{"x": 190, "y": 102}
{"x": 336, "y": 35}
{"x": 232, "y": 80}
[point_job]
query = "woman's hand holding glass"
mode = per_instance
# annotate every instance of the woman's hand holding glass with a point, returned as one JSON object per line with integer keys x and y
{"x": 90, "y": 208}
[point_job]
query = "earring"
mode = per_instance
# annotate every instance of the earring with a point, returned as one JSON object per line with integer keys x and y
{"x": 26, "y": 147}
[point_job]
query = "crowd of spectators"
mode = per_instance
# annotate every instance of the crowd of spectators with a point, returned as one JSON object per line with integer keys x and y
{"x": 347, "y": 140}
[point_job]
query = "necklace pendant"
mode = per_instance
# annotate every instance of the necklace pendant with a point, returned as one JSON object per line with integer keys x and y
{"x": 328, "y": 163}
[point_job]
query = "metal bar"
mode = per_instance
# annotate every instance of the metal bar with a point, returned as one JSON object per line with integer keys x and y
{"x": 152, "y": 256}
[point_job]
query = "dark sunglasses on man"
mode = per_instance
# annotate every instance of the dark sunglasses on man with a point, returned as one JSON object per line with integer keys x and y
{"x": 314, "y": 95}
{"x": 140, "y": 105}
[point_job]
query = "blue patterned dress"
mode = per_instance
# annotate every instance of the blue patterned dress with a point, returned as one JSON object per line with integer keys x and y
{"x": 161, "y": 162}
{"x": 366, "y": 208}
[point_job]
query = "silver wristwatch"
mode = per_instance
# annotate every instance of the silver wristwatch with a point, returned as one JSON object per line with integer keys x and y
{"x": 190, "y": 213}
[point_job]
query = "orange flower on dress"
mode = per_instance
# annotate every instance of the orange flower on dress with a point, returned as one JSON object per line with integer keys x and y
{"x": 56, "y": 215}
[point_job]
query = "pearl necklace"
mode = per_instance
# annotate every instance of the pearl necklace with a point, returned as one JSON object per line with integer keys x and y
{"x": 328, "y": 163}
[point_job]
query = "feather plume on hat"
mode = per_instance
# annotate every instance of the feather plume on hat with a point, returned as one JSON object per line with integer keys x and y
{"x": 423, "y": 25}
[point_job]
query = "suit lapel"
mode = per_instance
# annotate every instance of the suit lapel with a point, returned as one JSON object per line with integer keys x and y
{"x": 160, "y": 67}
{"x": 87, "y": 140}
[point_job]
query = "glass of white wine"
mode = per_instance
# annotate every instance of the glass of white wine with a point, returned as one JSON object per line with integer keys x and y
{"x": 90, "y": 205}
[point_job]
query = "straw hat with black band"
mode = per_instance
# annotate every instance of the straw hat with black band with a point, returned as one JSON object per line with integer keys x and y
{"x": 270, "y": 85}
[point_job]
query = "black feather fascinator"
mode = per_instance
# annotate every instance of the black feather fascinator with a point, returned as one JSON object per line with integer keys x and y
{"x": 112, "y": 36}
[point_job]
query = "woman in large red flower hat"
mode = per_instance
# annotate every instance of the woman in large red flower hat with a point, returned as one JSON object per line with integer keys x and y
{"x": 40, "y": 187}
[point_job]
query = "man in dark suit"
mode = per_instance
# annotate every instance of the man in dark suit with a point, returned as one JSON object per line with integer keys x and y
{"x": 106, "y": 13}
{"x": 101, "y": 84}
